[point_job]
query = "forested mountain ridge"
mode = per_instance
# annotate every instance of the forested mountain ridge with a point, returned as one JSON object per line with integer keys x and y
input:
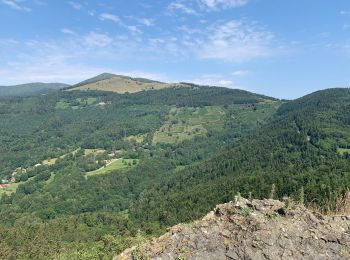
{"x": 41, "y": 127}
{"x": 74, "y": 162}
{"x": 303, "y": 150}
{"x": 94, "y": 170}
{"x": 30, "y": 89}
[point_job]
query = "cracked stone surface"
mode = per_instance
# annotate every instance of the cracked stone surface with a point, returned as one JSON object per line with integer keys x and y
{"x": 257, "y": 229}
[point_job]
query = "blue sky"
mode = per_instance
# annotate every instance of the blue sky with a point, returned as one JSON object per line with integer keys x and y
{"x": 281, "y": 48}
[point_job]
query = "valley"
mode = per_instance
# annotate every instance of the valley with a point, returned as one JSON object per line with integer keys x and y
{"x": 174, "y": 130}
{"x": 101, "y": 169}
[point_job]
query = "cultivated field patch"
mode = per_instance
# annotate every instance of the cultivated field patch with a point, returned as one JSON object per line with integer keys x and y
{"x": 188, "y": 122}
{"x": 113, "y": 165}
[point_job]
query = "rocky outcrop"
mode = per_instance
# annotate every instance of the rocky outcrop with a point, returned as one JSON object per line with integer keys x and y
{"x": 257, "y": 229}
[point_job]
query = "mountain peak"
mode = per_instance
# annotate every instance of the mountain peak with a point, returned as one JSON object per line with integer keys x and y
{"x": 106, "y": 74}
{"x": 120, "y": 84}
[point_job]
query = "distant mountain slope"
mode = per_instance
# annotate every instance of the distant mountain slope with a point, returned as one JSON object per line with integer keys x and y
{"x": 257, "y": 229}
{"x": 30, "y": 89}
{"x": 303, "y": 150}
{"x": 121, "y": 84}
{"x": 129, "y": 144}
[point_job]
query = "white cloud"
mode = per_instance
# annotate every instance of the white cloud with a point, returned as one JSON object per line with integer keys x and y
{"x": 110, "y": 17}
{"x": 194, "y": 7}
{"x": 235, "y": 41}
{"x": 212, "y": 80}
{"x": 37, "y": 72}
{"x": 240, "y": 73}
{"x": 344, "y": 12}
{"x": 95, "y": 39}
{"x": 218, "y": 4}
{"x": 50, "y": 70}
{"x": 16, "y": 4}
{"x": 75, "y": 5}
{"x": 68, "y": 31}
{"x": 231, "y": 41}
{"x": 179, "y": 6}
{"x": 68, "y": 61}
{"x": 188, "y": 30}
{"x": 133, "y": 29}
{"x": 146, "y": 22}
{"x": 8, "y": 41}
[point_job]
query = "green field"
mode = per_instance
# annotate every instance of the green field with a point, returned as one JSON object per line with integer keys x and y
{"x": 187, "y": 122}
{"x": 93, "y": 151}
{"x": 91, "y": 100}
{"x": 342, "y": 151}
{"x": 136, "y": 138}
{"x": 13, "y": 186}
{"x": 10, "y": 189}
{"x": 116, "y": 164}
{"x": 77, "y": 103}
{"x": 62, "y": 104}
{"x": 52, "y": 161}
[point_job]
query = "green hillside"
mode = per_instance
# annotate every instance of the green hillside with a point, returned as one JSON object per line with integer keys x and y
{"x": 302, "y": 151}
{"x": 120, "y": 84}
{"x": 78, "y": 168}
{"x": 90, "y": 172}
{"x": 105, "y": 76}
{"x": 97, "y": 78}
{"x": 30, "y": 89}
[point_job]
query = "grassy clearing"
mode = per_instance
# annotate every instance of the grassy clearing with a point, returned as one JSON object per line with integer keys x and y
{"x": 52, "y": 161}
{"x": 123, "y": 85}
{"x": 13, "y": 186}
{"x": 136, "y": 138}
{"x": 180, "y": 168}
{"x": 187, "y": 122}
{"x": 49, "y": 162}
{"x": 62, "y": 104}
{"x": 93, "y": 151}
{"x": 10, "y": 189}
{"x": 50, "y": 180}
{"x": 258, "y": 112}
{"x": 116, "y": 164}
{"x": 91, "y": 100}
{"x": 342, "y": 151}
{"x": 77, "y": 103}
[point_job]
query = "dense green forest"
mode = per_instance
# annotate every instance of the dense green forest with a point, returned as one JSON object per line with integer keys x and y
{"x": 84, "y": 158}
{"x": 304, "y": 149}
{"x": 87, "y": 174}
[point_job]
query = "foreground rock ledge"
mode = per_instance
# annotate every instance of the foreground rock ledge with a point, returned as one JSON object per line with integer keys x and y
{"x": 258, "y": 229}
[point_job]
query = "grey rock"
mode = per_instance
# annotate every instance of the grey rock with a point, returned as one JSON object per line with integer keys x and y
{"x": 268, "y": 231}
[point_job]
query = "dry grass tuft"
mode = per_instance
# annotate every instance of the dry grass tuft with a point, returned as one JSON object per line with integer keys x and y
{"x": 341, "y": 207}
{"x": 343, "y": 204}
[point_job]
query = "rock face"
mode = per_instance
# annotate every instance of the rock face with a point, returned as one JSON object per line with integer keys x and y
{"x": 257, "y": 229}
